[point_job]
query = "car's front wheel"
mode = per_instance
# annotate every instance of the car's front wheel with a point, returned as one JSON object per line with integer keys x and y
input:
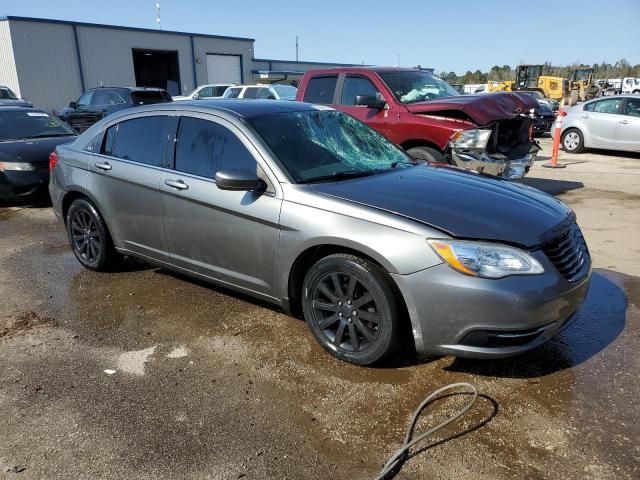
{"x": 351, "y": 308}
{"x": 89, "y": 237}
{"x": 573, "y": 141}
{"x": 426, "y": 154}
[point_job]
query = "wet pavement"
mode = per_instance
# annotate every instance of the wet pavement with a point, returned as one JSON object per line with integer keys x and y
{"x": 145, "y": 374}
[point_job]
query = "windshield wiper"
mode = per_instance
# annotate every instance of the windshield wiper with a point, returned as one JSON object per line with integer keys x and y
{"x": 45, "y": 135}
{"x": 341, "y": 176}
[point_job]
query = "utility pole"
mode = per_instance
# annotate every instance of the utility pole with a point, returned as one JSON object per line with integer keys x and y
{"x": 158, "y": 16}
{"x": 296, "y": 48}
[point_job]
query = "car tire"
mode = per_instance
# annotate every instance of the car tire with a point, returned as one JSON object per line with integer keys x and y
{"x": 426, "y": 154}
{"x": 89, "y": 237}
{"x": 574, "y": 96}
{"x": 351, "y": 307}
{"x": 572, "y": 141}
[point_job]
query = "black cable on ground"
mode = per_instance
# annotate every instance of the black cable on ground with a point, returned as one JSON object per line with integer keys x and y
{"x": 394, "y": 463}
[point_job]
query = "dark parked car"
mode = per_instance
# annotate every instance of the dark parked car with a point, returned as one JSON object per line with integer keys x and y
{"x": 310, "y": 209}
{"x": 97, "y": 103}
{"x": 27, "y": 138}
{"x": 9, "y": 98}
{"x": 543, "y": 120}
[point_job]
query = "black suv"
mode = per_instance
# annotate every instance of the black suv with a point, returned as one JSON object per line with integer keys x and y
{"x": 97, "y": 103}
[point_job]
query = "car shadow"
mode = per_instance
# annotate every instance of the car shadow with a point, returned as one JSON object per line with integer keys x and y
{"x": 551, "y": 186}
{"x": 599, "y": 322}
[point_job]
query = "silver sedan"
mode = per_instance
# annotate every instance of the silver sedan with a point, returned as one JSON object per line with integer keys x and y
{"x": 611, "y": 123}
{"x": 312, "y": 210}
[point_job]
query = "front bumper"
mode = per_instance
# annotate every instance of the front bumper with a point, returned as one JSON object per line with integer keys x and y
{"x": 481, "y": 161}
{"x": 15, "y": 185}
{"x": 455, "y": 314}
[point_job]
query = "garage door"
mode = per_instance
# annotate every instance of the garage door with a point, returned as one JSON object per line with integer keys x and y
{"x": 224, "y": 68}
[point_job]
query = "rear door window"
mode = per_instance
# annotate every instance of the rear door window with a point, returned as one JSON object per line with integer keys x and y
{"x": 354, "y": 86}
{"x": 147, "y": 98}
{"x": 251, "y": 92}
{"x": 321, "y": 89}
{"x": 632, "y": 108}
{"x": 204, "y": 147}
{"x": 234, "y": 92}
{"x": 106, "y": 97}
{"x": 140, "y": 140}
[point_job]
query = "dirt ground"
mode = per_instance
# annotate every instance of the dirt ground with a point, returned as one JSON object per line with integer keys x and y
{"x": 144, "y": 374}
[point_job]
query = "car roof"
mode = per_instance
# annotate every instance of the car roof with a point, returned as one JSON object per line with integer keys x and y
{"x": 131, "y": 89}
{"x": 378, "y": 69}
{"x": 241, "y": 108}
{"x": 19, "y": 108}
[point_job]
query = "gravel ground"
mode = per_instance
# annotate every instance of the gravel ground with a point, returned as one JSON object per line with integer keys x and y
{"x": 145, "y": 374}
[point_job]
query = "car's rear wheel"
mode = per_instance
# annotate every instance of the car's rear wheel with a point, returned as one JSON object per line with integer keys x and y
{"x": 89, "y": 237}
{"x": 573, "y": 141}
{"x": 351, "y": 308}
{"x": 426, "y": 154}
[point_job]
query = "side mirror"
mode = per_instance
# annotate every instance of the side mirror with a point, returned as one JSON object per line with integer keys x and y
{"x": 239, "y": 180}
{"x": 73, "y": 105}
{"x": 371, "y": 101}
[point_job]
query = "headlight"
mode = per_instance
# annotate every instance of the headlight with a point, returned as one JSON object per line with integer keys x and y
{"x": 486, "y": 260}
{"x": 470, "y": 139}
{"x": 16, "y": 166}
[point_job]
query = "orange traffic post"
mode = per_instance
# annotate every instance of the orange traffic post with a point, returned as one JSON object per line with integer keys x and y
{"x": 556, "y": 140}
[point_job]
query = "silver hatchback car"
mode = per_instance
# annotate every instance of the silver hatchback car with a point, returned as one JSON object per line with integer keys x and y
{"x": 310, "y": 209}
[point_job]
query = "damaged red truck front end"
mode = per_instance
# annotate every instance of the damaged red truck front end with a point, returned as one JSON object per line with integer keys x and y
{"x": 420, "y": 112}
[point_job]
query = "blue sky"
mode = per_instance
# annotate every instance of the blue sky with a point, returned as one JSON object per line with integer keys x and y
{"x": 447, "y": 35}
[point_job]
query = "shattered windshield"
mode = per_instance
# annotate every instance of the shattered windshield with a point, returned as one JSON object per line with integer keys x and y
{"x": 416, "y": 86}
{"x": 326, "y": 145}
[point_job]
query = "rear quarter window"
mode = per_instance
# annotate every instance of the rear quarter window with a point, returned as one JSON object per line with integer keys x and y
{"x": 321, "y": 89}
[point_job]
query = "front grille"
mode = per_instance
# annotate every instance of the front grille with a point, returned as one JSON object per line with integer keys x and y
{"x": 569, "y": 253}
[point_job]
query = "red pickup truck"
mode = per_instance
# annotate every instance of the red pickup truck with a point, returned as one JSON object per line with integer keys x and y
{"x": 430, "y": 119}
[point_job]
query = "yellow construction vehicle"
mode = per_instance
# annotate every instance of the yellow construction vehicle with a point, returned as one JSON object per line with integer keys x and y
{"x": 581, "y": 85}
{"x": 505, "y": 86}
{"x": 529, "y": 77}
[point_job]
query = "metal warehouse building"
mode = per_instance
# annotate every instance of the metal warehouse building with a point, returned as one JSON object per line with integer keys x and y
{"x": 51, "y": 62}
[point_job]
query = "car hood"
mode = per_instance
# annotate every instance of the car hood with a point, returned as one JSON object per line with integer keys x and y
{"x": 460, "y": 203}
{"x": 482, "y": 109}
{"x": 36, "y": 150}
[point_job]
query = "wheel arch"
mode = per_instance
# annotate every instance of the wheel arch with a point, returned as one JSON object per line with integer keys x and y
{"x": 72, "y": 195}
{"x": 420, "y": 142}
{"x": 306, "y": 258}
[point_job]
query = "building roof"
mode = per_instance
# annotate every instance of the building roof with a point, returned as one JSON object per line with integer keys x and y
{"x": 118, "y": 27}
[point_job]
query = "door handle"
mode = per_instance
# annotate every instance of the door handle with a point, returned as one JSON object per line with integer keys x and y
{"x": 584, "y": 116}
{"x": 624, "y": 122}
{"x": 179, "y": 184}
{"x": 103, "y": 166}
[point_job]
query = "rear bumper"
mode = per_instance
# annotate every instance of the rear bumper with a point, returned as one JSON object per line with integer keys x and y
{"x": 455, "y": 314}
{"x": 15, "y": 185}
{"x": 481, "y": 161}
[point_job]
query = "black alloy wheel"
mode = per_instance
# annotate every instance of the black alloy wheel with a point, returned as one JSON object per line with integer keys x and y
{"x": 351, "y": 309}
{"x": 89, "y": 237}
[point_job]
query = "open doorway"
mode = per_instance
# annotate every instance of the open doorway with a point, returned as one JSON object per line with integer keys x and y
{"x": 157, "y": 68}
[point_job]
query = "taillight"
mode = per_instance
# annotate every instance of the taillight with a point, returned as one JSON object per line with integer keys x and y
{"x": 53, "y": 159}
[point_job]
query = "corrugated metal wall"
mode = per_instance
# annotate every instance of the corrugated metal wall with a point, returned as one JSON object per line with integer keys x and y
{"x": 203, "y": 46}
{"x": 107, "y": 54}
{"x": 8, "y": 73}
{"x": 46, "y": 62}
{"x": 53, "y": 59}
